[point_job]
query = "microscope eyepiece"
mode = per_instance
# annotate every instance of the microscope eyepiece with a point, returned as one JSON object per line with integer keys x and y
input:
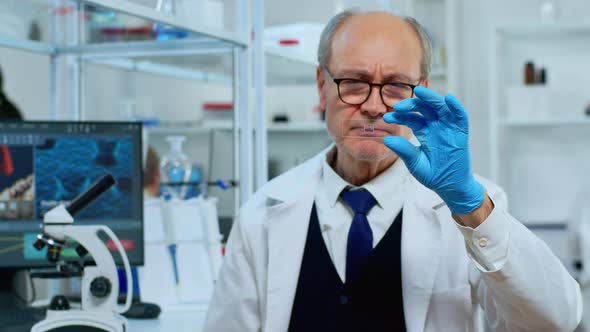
{"x": 96, "y": 189}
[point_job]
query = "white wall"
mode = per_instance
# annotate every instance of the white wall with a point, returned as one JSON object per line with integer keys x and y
{"x": 26, "y": 82}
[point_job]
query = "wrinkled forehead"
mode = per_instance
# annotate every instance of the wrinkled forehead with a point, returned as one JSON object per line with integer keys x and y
{"x": 383, "y": 41}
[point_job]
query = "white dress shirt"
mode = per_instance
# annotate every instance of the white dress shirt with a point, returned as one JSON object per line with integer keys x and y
{"x": 335, "y": 216}
{"x": 487, "y": 245}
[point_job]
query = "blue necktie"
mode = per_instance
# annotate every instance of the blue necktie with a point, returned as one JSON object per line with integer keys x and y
{"x": 360, "y": 236}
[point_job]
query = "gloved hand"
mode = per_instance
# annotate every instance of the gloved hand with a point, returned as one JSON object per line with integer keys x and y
{"x": 441, "y": 162}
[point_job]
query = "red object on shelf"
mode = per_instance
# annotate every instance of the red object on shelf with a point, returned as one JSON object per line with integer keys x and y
{"x": 288, "y": 42}
{"x": 218, "y": 107}
{"x": 145, "y": 30}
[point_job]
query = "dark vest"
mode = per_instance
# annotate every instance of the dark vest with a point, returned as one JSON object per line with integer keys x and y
{"x": 371, "y": 302}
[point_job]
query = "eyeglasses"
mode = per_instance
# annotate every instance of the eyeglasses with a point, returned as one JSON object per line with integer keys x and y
{"x": 355, "y": 92}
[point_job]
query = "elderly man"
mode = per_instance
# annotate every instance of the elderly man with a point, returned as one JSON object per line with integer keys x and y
{"x": 357, "y": 239}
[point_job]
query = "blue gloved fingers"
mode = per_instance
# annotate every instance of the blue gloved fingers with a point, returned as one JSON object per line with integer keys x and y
{"x": 434, "y": 100}
{"x": 458, "y": 111}
{"x": 415, "y": 121}
{"x": 416, "y": 105}
{"x": 404, "y": 149}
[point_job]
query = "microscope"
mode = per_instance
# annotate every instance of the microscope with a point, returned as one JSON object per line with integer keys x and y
{"x": 100, "y": 286}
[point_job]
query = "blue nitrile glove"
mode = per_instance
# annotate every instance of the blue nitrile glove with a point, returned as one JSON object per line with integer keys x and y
{"x": 441, "y": 162}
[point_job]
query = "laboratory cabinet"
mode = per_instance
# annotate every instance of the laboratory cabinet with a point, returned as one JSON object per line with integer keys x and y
{"x": 539, "y": 129}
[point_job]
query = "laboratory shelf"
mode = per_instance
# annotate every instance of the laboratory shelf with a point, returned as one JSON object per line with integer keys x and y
{"x": 203, "y": 128}
{"x": 184, "y": 129}
{"x": 28, "y": 45}
{"x": 285, "y": 66}
{"x": 166, "y": 70}
{"x": 211, "y": 35}
{"x": 204, "y": 37}
{"x": 136, "y": 10}
{"x": 536, "y": 30}
{"x": 524, "y": 123}
{"x": 288, "y": 54}
{"x": 297, "y": 127}
{"x": 183, "y": 59}
{"x": 134, "y": 49}
{"x": 196, "y": 57}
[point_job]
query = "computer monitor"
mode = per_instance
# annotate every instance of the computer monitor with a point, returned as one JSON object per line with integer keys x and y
{"x": 43, "y": 164}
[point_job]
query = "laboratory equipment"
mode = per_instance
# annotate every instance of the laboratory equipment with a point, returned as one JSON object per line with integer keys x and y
{"x": 364, "y": 128}
{"x": 52, "y": 163}
{"x": 100, "y": 287}
{"x": 175, "y": 170}
{"x": 184, "y": 259}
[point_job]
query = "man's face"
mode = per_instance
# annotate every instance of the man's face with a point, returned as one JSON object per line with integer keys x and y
{"x": 376, "y": 48}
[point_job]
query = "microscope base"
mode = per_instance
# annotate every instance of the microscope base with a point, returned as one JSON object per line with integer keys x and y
{"x": 82, "y": 321}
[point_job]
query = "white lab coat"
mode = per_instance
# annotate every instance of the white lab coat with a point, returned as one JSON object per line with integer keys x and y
{"x": 579, "y": 241}
{"x": 442, "y": 287}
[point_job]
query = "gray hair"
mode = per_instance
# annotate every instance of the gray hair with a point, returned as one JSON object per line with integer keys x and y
{"x": 327, "y": 36}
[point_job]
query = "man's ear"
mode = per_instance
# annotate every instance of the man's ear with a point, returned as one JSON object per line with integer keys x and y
{"x": 425, "y": 83}
{"x": 320, "y": 82}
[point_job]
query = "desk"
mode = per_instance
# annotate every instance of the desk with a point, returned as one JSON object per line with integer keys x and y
{"x": 177, "y": 319}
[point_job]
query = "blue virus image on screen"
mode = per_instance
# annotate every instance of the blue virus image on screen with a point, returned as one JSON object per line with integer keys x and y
{"x": 66, "y": 167}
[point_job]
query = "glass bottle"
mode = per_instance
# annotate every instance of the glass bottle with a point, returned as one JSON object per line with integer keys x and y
{"x": 175, "y": 169}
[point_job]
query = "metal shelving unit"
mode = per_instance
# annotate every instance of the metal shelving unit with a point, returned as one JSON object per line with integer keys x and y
{"x": 551, "y": 123}
{"x": 132, "y": 55}
{"x": 530, "y": 148}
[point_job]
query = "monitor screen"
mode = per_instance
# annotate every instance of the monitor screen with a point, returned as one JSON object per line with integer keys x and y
{"x": 44, "y": 164}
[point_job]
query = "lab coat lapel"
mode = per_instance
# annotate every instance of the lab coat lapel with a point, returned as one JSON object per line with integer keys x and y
{"x": 421, "y": 241}
{"x": 287, "y": 232}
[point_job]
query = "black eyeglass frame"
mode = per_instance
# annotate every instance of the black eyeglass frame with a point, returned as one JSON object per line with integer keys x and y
{"x": 371, "y": 85}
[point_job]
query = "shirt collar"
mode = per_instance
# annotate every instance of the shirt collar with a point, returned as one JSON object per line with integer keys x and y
{"x": 387, "y": 182}
{"x": 380, "y": 187}
{"x": 332, "y": 182}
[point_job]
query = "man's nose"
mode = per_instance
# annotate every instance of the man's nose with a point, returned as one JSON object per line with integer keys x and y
{"x": 374, "y": 106}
